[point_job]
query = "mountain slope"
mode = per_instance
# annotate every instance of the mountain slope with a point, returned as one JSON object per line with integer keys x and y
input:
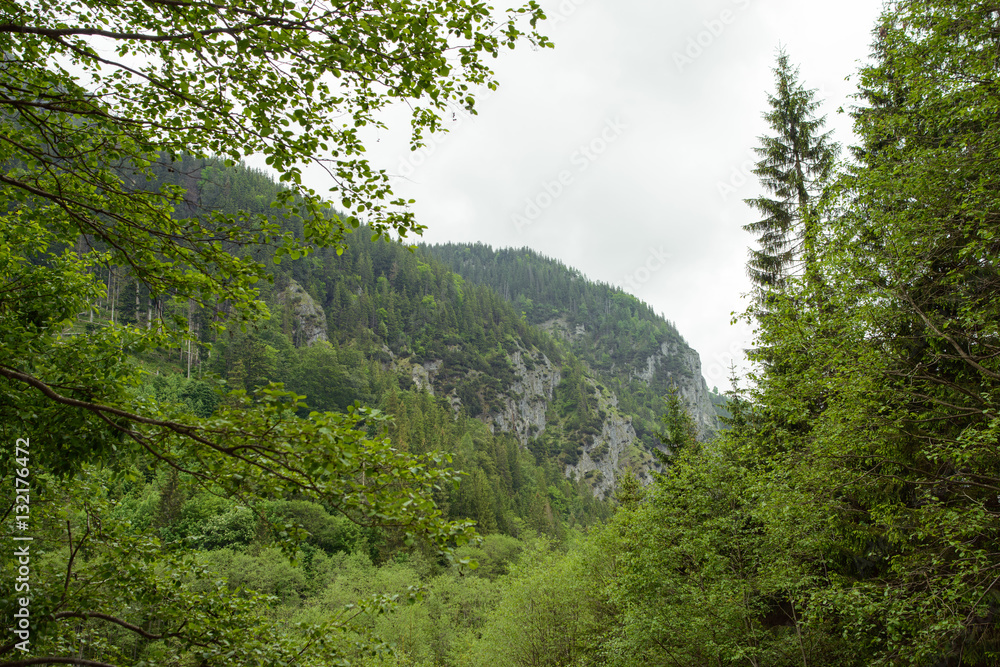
{"x": 619, "y": 337}
{"x": 570, "y": 371}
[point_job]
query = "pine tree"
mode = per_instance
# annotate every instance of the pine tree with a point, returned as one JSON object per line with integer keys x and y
{"x": 679, "y": 428}
{"x": 794, "y": 167}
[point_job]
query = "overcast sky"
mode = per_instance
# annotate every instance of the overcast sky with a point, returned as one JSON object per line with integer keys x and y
{"x": 624, "y": 152}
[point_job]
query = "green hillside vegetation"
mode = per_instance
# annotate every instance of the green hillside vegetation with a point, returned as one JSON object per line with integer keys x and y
{"x": 617, "y": 330}
{"x": 387, "y": 309}
{"x": 609, "y": 330}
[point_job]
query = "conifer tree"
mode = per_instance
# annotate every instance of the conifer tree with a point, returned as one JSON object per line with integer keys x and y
{"x": 794, "y": 165}
{"x": 679, "y": 428}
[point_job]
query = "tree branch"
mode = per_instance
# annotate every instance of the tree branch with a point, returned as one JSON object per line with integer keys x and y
{"x": 97, "y": 408}
{"x": 55, "y": 661}
{"x": 958, "y": 348}
{"x": 111, "y": 619}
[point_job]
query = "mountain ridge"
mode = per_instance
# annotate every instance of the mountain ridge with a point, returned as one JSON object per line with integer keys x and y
{"x": 589, "y": 316}
{"x": 573, "y": 370}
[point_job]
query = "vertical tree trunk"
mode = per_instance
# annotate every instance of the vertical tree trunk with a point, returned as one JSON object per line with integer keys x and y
{"x": 191, "y": 333}
{"x": 798, "y": 634}
{"x": 111, "y": 291}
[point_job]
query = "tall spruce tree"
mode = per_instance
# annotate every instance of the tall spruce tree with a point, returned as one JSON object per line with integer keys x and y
{"x": 794, "y": 165}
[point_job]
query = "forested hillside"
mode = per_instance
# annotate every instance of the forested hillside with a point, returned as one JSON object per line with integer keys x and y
{"x": 539, "y": 439}
{"x": 582, "y": 393}
{"x": 636, "y": 351}
{"x": 384, "y": 326}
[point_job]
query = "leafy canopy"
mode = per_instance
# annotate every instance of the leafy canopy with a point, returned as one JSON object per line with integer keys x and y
{"x": 96, "y": 97}
{"x": 92, "y": 92}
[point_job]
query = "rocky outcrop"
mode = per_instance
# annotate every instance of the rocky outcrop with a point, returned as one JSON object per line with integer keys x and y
{"x": 561, "y": 328}
{"x": 307, "y": 317}
{"x": 525, "y": 405}
{"x": 602, "y": 461}
{"x": 682, "y": 366}
{"x": 684, "y": 370}
{"x": 423, "y": 374}
{"x": 525, "y": 402}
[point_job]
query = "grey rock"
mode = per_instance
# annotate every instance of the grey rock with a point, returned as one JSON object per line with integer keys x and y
{"x": 308, "y": 318}
{"x": 686, "y": 374}
{"x": 525, "y": 405}
{"x": 606, "y": 455}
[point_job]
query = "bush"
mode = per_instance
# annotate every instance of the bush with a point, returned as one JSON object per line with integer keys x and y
{"x": 330, "y": 533}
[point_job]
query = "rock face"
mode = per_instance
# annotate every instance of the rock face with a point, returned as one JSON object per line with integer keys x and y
{"x": 308, "y": 318}
{"x": 603, "y": 460}
{"x": 423, "y": 375}
{"x": 617, "y": 447}
{"x": 561, "y": 328}
{"x": 682, "y": 366}
{"x": 524, "y": 407}
{"x": 684, "y": 369}
{"x": 525, "y": 402}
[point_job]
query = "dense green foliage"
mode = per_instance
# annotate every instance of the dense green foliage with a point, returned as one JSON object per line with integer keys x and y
{"x": 224, "y": 525}
{"x": 98, "y": 100}
{"x": 850, "y": 514}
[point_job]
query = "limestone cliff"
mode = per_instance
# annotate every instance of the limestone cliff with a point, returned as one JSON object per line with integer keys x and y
{"x": 680, "y": 363}
{"x": 308, "y": 321}
{"x": 423, "y": 375}
{"x": 683, "y": 367}
{"x": 524, "y": 408}
{"x": 525, "y": 405}
{"x": 612, "y": 451}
